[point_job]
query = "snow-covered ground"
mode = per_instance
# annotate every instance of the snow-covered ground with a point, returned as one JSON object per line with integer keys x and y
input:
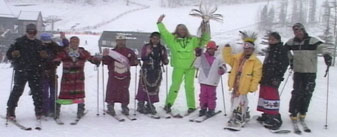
{"x": 235, "y": 16}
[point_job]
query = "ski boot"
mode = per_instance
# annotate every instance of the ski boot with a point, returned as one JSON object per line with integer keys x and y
{"x": 80, "y": 110}
{"x": 57, "y": 112}
{"x": 125, "y": 110}
{"x": 247, "y": 115}
{"x": 238, "y": 118}
{"x": 233, "y": 122}
{"x": 167, "y": 108}
{"x": 210, "y": 113}
{"x": 111, "y": 109}
{"x": 191, "y": 110}
{"x": 141, "y": 107}
{"x": 11, "y": 114}
{"x": 262, "y": 118}
{"x": 202, "y": 112}
{"x": 273, "y": 122}
{"x": 150, "y": 108}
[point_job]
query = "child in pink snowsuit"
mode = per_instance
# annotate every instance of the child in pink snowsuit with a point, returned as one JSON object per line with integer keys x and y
{"x": 210, "y": 71}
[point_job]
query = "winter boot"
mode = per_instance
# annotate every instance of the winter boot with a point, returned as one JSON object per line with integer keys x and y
{"x": 125, "y": 109}
{"x": 247, "y": 115}
{"x": 191, "y": 110}
{"x": 233, "y": 122}
{"x": 58, "y": 110}
{"x": 210, "y": 113}
{"x": 111, "y": 109}
{"x": 202, "y": 112}
{"x": 262, "y": 118}
{"x": 80, "y": 110}
{"x": 10, "y": 113}
{"x": 237, "y": 115}
{"x": 167, "y": 108}
{"x": 273, "y": 122}
{"x": 150, "y": 108}
{"x": 141, "y": 107}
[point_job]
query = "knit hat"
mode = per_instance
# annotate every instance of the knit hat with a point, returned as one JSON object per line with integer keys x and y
{"x": 153, "y": 34}
{"x": 211, "y": 45}
{"x": 276, "y": 35}
{"x": 299, "y": 26}
{"x": 46, "y": 37}
{"x": 31, "y": 27}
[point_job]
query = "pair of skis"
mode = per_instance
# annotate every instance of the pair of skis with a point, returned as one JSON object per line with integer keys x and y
{"x": 200, "y": 119}
{"x": 239, "y": 127}
{"x": 38, "y": 125}
{"x": 236, "y": 127}
{"x": 75, "y": 122}
{"x": 192, "y": 119}
{"x": 120, "y": 119}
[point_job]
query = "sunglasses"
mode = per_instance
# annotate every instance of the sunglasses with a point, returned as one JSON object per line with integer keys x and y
{"x": 296, "y": 29}
{"x": 32, "y": 32}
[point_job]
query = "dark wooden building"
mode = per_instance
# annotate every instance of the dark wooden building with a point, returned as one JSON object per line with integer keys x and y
{"x": 134, "y": 40}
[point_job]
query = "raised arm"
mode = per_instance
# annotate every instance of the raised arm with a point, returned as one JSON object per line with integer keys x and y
{"x": 227, "y": 55}
{"x": 203, "y": 40}
{"x": 165, "y": 34}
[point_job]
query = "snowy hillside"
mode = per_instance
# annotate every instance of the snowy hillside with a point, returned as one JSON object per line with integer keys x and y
{"x": 236, "y": 17}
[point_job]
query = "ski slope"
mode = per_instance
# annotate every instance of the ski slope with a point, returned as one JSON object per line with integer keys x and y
{"x": 236, "y": 16}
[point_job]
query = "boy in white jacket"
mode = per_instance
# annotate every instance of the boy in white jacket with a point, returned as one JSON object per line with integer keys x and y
{"x": 210, "y": 71}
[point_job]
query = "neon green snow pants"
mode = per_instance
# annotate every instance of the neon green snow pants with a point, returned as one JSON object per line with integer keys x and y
{"x": 177, "y": 78}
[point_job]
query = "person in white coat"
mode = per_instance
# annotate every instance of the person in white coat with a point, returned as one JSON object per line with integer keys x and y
{"x": 210, "y": 71}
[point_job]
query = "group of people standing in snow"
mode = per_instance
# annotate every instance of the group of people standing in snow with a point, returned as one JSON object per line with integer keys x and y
{"x": 35, "y": 61}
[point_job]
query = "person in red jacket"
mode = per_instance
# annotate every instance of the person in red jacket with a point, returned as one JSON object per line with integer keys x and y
{"x": 72, "y": 90}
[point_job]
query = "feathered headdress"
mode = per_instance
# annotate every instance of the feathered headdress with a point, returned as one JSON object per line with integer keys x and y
{"x": 249, "y": 38}
{"x": 206, "y": 11}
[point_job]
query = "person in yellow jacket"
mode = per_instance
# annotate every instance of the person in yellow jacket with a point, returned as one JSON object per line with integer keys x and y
{"x": 244, "y": 77}
{"x": 182, "y": 46}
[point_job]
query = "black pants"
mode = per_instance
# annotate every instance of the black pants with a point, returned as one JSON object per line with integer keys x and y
{"x": 20, "y": 80}
{"x": 304, "y": 86}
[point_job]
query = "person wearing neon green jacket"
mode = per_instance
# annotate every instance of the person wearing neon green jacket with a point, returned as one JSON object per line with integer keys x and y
{"x": 182, "y": 46}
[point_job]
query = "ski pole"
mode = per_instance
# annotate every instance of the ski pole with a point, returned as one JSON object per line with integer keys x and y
{"x": 103, "y": 90}
{"x": 97, "y": 69}
{"x": 223, "y": 96}
{"x": 11, "y": 90}
{"x": 327, "y": 98}
{"x": 162, "y": 66}
{"x": 166, "y": 81}
{"x": 134, "y": 102}
{"x": 285, "y": 83}
{"x": 55, "y": 93}
{"x": 196, "y": 73}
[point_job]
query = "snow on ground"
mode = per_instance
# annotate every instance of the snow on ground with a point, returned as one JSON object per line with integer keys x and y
{"x": 236, "y": 16}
